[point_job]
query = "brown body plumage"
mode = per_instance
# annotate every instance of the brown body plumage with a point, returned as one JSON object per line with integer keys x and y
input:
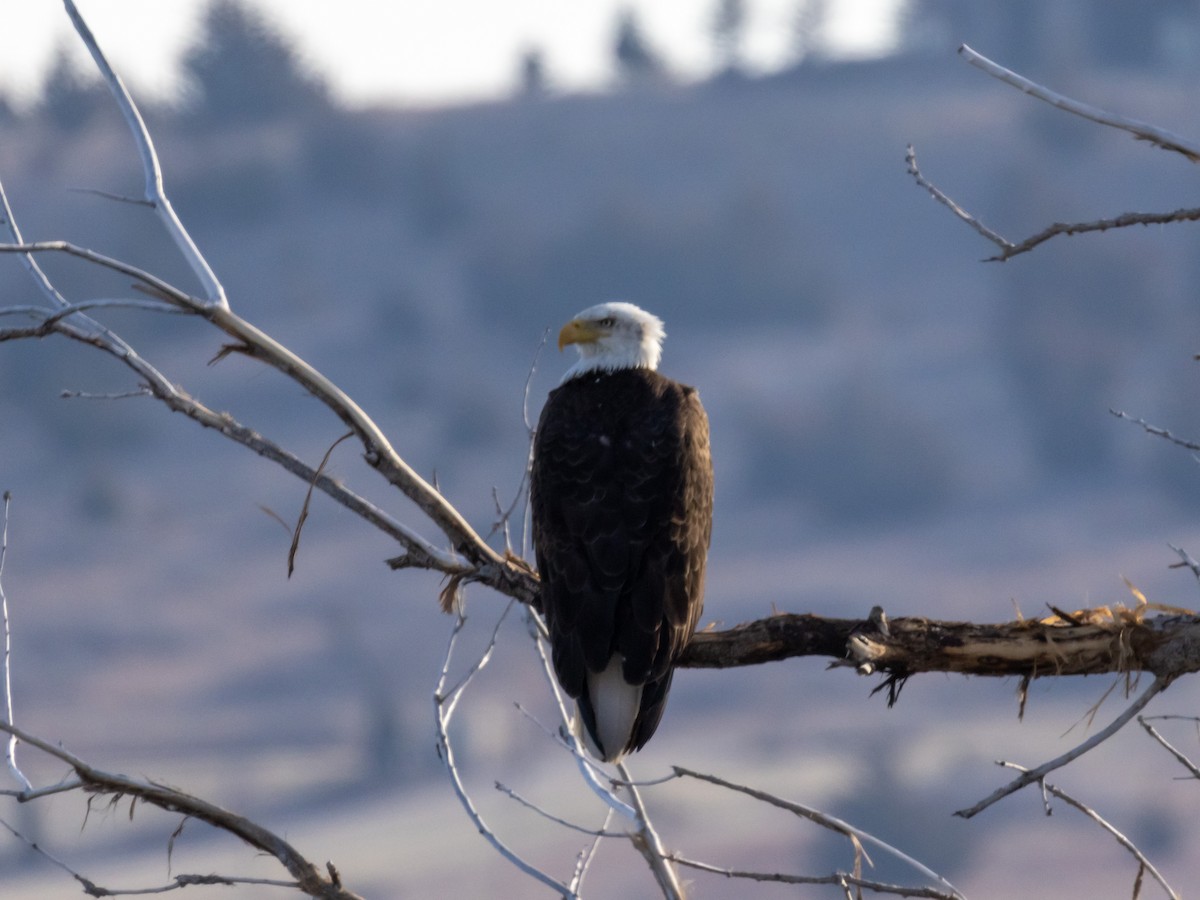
{"x": 621, "y": 497}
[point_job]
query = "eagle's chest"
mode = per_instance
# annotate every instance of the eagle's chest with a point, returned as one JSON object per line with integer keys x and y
{"x": 618, "y": 427}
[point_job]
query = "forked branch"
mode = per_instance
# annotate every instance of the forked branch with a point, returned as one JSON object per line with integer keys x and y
{"x": 471, "y": 556}
{"x": 1140, "y": 130}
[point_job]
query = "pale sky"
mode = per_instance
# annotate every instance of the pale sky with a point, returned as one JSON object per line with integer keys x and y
{"x": 424, "y": 51}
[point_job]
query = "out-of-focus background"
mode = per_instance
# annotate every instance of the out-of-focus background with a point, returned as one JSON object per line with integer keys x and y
{"x": 895, "y": 422}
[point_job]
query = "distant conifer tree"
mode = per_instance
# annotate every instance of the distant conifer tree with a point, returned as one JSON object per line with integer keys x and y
{"x": 242, "y": 67}
{"x": 808, "y": 27}
{"x": 636, "y": 60}
{"x": 69, "y": 99}
{"x": 728, "y": 31}
{"x": 533, "y": 72}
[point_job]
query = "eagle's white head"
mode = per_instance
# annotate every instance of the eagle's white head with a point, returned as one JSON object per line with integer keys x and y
{"x": 611, "y": 336}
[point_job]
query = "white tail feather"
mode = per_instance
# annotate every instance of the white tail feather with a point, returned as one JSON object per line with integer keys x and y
{"x": 616, "y": 703}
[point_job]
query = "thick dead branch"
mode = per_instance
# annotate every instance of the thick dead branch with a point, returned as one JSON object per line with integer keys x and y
{"x": 1088, "y": 642}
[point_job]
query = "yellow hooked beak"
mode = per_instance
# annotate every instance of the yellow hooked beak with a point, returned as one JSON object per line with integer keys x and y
{"x": 578, "y": 331}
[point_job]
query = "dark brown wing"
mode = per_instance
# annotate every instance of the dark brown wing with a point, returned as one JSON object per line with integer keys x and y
{"x": 621, "y": 497}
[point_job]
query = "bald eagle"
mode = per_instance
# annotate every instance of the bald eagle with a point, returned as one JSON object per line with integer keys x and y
{"x": 621, "y": 497}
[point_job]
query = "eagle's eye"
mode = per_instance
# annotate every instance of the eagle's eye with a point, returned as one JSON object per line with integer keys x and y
{"x": 607, "y": 322}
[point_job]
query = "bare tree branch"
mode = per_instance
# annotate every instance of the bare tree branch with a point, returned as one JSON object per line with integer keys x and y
{"x": 910, "y": 159}
{"x": 838, "y": 878}
{"x": 490, "y": 567}
{"x": 1169, "y": 747}
{"x": 650, "y": 845}
{"x": 558, "y": 820}
{"x": 1156, "y": 430}
{"x": 1030, "y": 776}
{"x": 586, "y": 855}
{"x": 825, "y": 821}
{"x": 10, "y": 749}
{"x": 1085, "y": 642}
{"x": 47, "y": 319}
{"x": 300, "y": 519}
{"x": 1124, "y": 220}
{"x": 1144, "y": 864}
{"x": 418, "y": 551}
{"x": 154, "y": 193}
{"x": 92, "y": 889}
{"x": 309, "y": 878}
{"x": 445, "y": 703}
{"x": 1009, "y": 249}
{"x": 1140, "y": 130}
{"x": 1186, "y": 561}
{"x": 485, "y": 564}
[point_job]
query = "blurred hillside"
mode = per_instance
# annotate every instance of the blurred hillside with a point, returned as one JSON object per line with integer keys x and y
{"x": 894, "y": 422}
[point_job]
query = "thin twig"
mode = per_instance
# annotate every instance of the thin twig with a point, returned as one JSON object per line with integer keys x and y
{"x": 92, "y": 889}
{"x": 823, "y": 819}
{"x": 1156, "y": 431}
{"x": 108, "y": 195}
{"x": 309, "y": 878}
{"x": 49, "y": 318}
{"x": 10, "y": 752}
{"x": 1142, "y": 131}
{"x": 487, "y": 565}
{"x": 42, "y": 851}
{"x": 1178, "y": 754}
{"x": 1009, "y": 249}
{"x": 558, "y": 820}
{"x": 300, "y": 519}
{"x": 837, "y": 878}
{"x": 160, "y": 287}
{"x": 445, "y": 702}
{"x": 112, "y": 395}
{"x": 1029, "y": 776}
{"x": 419, "y": 552}
{"x": 1125, "y": 220}
{"x": 1186, "y": 560}
{"x": 910, "y": 158}
{"x": 503, "y": 516}
{"x": 1144, "y": 863}
{"x": 63, "y": 787}
{"x": 650, "y": 845}
{"x": 154, "y": 193}
{"x": 584, "y": 861}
